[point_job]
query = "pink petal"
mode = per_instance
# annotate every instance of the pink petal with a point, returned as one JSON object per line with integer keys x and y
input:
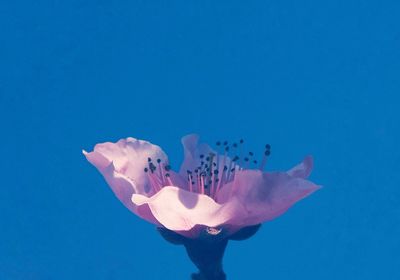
{"x": 123, "y": 188}
{"x": 129, "y": 157}
{"x": 122, "y": 165}
{"x": 180, "y": 210}
{"x": 192, "y": 150}
{"x": 302, "y": 170}
{"x": 265, "y": 195}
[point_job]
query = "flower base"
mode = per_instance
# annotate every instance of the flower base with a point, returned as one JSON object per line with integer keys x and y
{"x": 207, "y": 256}
{"x": 207, "y": 252}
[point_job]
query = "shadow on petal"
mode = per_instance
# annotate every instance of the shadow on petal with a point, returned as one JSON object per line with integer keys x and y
{"x": 189, "y": 200}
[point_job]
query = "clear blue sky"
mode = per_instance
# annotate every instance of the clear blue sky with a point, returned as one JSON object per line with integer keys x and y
{"x": 308, "y": 77}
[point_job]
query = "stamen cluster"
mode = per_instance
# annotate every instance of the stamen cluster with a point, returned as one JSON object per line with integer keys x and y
{"x": 213, "y": 171}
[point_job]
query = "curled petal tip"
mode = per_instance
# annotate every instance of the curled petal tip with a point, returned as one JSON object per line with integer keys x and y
{"x": 138, "y": 199}
{"x": 84, "y": 152}
{"x": 303, "y": 169}
{"x": 190, "y": 136}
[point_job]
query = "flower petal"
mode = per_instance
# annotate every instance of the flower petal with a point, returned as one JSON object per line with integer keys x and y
{"x": 303, "y": 169}
{"x": 192, "y": 150}
{"x": 122, "y": 165}
{"x": 180, "y": 210}
{"x": 265, "y": 195}
{"x": 122, "y": 187}
{"x": 129, "y": 157}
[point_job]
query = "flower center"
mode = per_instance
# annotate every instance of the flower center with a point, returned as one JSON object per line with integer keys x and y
{"x": 213, "y": 171}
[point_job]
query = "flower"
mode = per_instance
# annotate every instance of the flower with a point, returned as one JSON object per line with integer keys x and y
{"x": 212, "y": 193}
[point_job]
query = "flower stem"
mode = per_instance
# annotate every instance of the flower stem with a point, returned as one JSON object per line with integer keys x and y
{"x": 207, "y": 251}
{"x": 207, "y": 256}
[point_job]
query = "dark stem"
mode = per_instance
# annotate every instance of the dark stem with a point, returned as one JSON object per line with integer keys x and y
{"x": 207, "y": 251}
{"x": 207, "y": 256}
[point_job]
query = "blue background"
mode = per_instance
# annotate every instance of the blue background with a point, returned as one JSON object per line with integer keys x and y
{"x": 308, "y": 77}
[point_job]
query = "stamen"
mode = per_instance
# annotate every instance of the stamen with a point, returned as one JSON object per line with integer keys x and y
{"x": 228, "y": 175}
{"x": 190, "y": 182}
{"x": 240, "y": 151}
{"x": 152, "y": 167}
{"x": 209, "y": 171}
{"x": 267, "y": 152}
{"x": 221, "y": 181}
{"x": 211, "y": 174}
{"x": 160, "y": 171}
{"x": 198, "y": 182}
{"x": 168, "y": 178}
{"x": 202, "y": 183}
{"x": 153, "y": 182}
{"x": 248, "y": 160}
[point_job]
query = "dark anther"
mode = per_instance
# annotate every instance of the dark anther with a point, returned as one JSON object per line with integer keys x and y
{"x": 216, "y": 171}
{"x": 202, "y": 162}
{"x": 167, "y": 175}
{"x": 167, "y": 168}
{"x": 152, "y": 167}
{"x": 148, "y": 159}
{"x": 158, "y": 160}
{"x": 255, "y": 161}
{"x": 268, "y": 146}
{"x": 218, "y": 143}
{"x": 233, "y": 169}
{"x": 267, "y": 152}
{"x": 241, "y": 141}
{"x": 216, "y": 180}
{"x": 207, "y": 158}
{"x": 235, "y": 145}
{"x": 235, "y": 158}
{"x": 214, "y": 164}
{"x": 189, "y": 172}
{"x": 227, "y": 148}
{"x": 201, "y": 156}
{"x": 145, "y": 169}
{"x": 225, "y": 168}
{"x": 225, "y": 143}
{"x": 251, "y": 153}
{"x": 246, "y": 159}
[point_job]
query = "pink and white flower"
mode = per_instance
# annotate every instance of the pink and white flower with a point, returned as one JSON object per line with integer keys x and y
{"x": 212, "y": 192}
